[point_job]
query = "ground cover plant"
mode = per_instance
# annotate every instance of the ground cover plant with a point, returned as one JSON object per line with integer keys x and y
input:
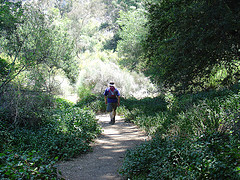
{"x": 94, "y": 102}
{"x": 211, "y": 156}
{"x": 195, "y": 137}
{"x": 188, "y": 113}
{"x": 32, "y": 152}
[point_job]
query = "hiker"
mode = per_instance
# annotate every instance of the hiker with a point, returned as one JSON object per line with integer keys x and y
{"x": 112, "y": 99}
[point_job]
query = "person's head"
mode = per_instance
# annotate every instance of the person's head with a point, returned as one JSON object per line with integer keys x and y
{"x": 111, "y": 84}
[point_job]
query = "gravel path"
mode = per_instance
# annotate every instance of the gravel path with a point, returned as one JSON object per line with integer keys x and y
{"x": 108, "y": 152}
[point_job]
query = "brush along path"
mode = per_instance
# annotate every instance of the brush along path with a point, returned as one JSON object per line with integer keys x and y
{"x": 108, "y": 152}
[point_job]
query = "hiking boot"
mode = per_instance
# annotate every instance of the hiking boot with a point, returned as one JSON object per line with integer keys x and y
{"x": 113, "y": 120}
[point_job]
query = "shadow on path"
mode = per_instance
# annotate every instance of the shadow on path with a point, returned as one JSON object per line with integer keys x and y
{"x": 108, "y": 152}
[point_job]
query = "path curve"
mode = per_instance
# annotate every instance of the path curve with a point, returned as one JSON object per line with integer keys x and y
{"x": 108, "y": 152}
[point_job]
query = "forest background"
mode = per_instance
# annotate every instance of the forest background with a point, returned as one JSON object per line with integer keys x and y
{"x": 175, "y": 62}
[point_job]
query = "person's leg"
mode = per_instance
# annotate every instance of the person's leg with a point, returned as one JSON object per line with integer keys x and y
{"x": 114, "y": 112}
{"x": 113, "y": 116}
{"x": 110, "y": 109}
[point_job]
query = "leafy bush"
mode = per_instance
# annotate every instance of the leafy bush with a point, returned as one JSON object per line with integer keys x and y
{"x": 60, "y": 103}
{"x": 129, "y": 107}
{"x": 22, "y": 107}
{"x": 68, "y": 135}
{"x": 92, "y": 102}
{"x": 122, "y": 110}
{"x": 188, "y": 114}
{"x": 26, "y": 166}
{"x": 96, "y": 72}
{"x": 193, "y": 138}
{"x": 146, "y": 106}
{"x": 3, "y": 68}
{"x": 186, "y": 101}
{"x": 212, "y": 156}
{"x": 28, "y": 152}
{"x": 216, "y": 114}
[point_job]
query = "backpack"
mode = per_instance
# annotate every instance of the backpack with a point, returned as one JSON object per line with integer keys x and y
{"x": 112, "y": 94}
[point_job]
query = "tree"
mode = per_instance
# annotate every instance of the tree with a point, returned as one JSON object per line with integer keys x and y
{"x": 10, "y": 18}
{"x": 84, "y": 17}
{"x": 132, "y": 34}
{"x": 187, "y": 40}
{"x": 111, "y": 17}
{"x": 32, "y": 54}
{"x": 64, "y": 6}
{"x": 36, "y": 42}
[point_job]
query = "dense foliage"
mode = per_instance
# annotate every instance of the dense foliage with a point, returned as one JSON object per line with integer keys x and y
{"x": 211, "y": 156}
{"x": 101, "y": 68}
{"x": 187, "y": 114}
{"x": 66, "y": 132}
{"x": 92, "y": 102}
{"x": 10, "y": 16}
{"x": 185, "y": 45}
{"x": 196, "y": 137}
{"x": 190, "y": 41}
{"x": 133, "y": 33}
{"x": 35, "y": 47}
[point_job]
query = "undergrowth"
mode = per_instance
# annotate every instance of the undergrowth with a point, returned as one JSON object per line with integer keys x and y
{"x": 196, "y": 137}
{"x": 31, "y": 152}
{"x": 211, "y": 156}
{"x": 93, "y": 102}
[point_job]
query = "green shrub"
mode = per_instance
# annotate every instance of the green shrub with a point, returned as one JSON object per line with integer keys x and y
{"x": 189, "y": 115}
{"x": 98, "y": 70}
{"x": 3, "y": 68}
{"x": 95, "y": 103}
{"x": 60, "y": 103}
{"x": 68, "y": 135}
{"x": 194, "y": 138}
{"x": 84, "y": 91}
{"x": 26, "y": 166}
{"x": 146, "y": 107}
{"x": 218, "y": 114}
{"x": 24, "y": 107}
{"x": 186, "y": 101}
{"x": 65, "y": 134}
{"x": 213, "y": 156}
{"x": 122, "y": 110}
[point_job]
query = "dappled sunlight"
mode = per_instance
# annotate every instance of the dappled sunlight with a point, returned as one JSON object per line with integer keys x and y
{"x": 108, "y": 151}
{"x": 105, "y": 157}
{"x": 114, "y": 136}
{"x": 119, "y": 150}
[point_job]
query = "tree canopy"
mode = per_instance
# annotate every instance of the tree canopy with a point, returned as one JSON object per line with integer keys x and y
{"x": 133, "y": 33}
{"x": 31, "y": 41}
{"x": 188, "y": 41}
{"x": 185, "y": 45}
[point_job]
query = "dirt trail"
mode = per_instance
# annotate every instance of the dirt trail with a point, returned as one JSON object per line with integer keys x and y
{"x": 108, "y": 152}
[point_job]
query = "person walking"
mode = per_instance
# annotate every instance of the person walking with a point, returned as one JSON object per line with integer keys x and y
{"x": 112, "y": 99}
